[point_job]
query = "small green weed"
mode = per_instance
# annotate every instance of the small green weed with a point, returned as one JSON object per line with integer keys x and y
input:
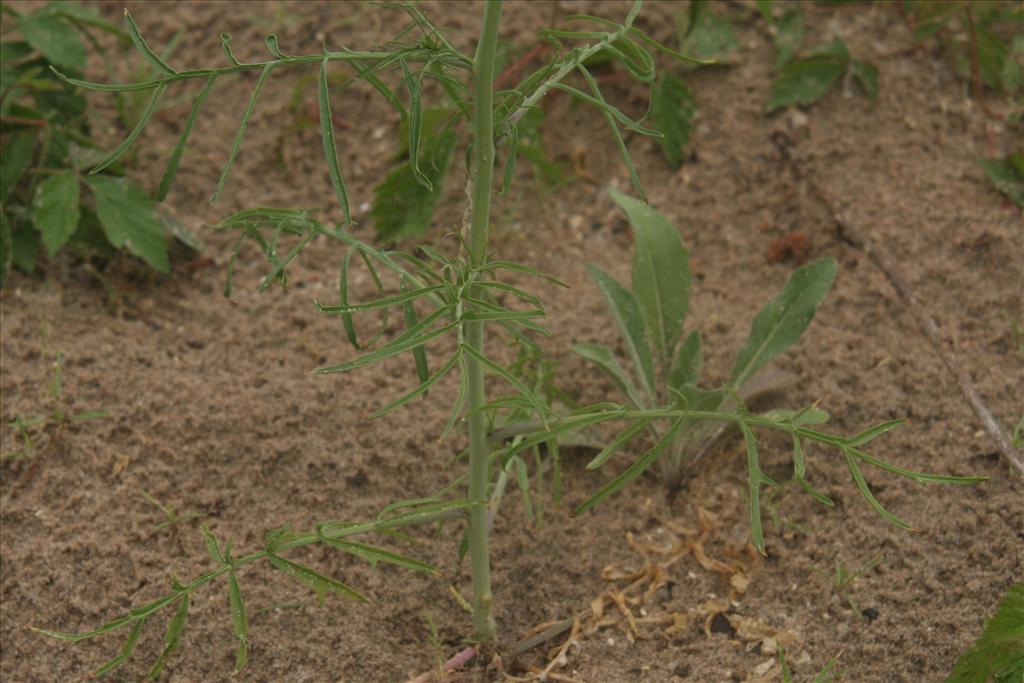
{"x": 52, "y": 424}
{"x": 172, "y": 520}
{"x": 462, "y": 296}
{"x": 47, "y": 200}
{"x": 842, "y": 580}
{"x": 1007, "y": 176}
{"x": 828, "y": 674}
{"x": 664, "y": 385}
{"x": 998, "y": 654}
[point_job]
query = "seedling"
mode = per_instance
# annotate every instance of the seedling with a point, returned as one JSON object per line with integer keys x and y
{"x": 459, "y": 292}
{"x": 52, "y": 424}
{"x": 842, "y": 580}
{"x": 1007, "y": 176}
{"x": 172, "y": 519}
{"x": 828, "y": 674}
{"x": 663, "y": 387}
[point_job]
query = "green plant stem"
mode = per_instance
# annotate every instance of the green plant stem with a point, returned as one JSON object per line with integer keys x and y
{"x": 481, "y": 173}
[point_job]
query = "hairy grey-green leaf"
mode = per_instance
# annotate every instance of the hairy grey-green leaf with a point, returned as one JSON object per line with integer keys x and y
{"x": 626, "y": 313}
{"x": 783, "y": 319}
{"x": 603, "y": 357}
{"x": 805, "y": 81}
{"x": 661, "y": 275}
{"x": 55, "y": 210}
{"x": 15, "y": 159}
{"x": 686, "y": 365}
{"x": 1007, "y": 176}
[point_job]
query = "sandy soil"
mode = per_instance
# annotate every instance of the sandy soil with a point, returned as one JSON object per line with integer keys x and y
{"x": 214, "y": 410}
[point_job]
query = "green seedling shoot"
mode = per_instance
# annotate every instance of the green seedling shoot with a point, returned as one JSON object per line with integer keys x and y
{"x": 52, "y": 424}
{"x": 460, "y": 290}
{"x": 842, "y": 580}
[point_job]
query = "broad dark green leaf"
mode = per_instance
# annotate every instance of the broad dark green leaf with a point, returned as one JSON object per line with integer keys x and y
{"x": 1007, "y": 176}
{"x": 661, "y": 275}
{"x": 603, "y": 357}
{"x": 686, "y": 366}
{"x": 402, "y": 206}
{"x": 626, "y": 312}
{"x": 52, "y": 35}
{"x": 992, "y": 56}
{"x": 783, "y": 319}
{"x": 788, "y": 36}
{"x": 805, "y": 81}
{"x": 129, "y": 219}
{"x": 16, "y": 157}
{"x": 55, "y": 210}
{"x": 6, "y": 248}
{"x": 998, "y": 653}
{"x": 25, "y": 249}
{"x": 706, "y": 34}
{"x": 672, "y": 112}
{"x": 867, "y": 75}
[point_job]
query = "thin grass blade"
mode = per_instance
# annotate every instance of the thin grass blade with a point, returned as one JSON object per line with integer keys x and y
{"x": 126, "y": 651}
{"x": 420, "y": 390}
{"x": 800, "y": 470}
{"x": 389, "y": 350}
{"x": 865, "y": 490}
{"x": 172, "y": 639}
{"x": 419, "y": 354}
{"x": 143, "y": 47}
{"x": 179, "y": 149}
{"x": 242, "y": 126}
{"x": 755, "y": 478}
{"x": 374, "y": 555}
{"x": 139, "y": 127}
{"x": 616, "y": 135}
{"x": 321, "y": 584}
{"x": 240, "y": 620}
{"x": 624, "y": 437}
{"x": 395, "y": 300}
{"x": 330, "y": 149}
{"x": 642, "y": 464}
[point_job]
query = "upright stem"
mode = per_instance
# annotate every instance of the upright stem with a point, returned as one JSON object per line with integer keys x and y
{"x": 481, "y": 173}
